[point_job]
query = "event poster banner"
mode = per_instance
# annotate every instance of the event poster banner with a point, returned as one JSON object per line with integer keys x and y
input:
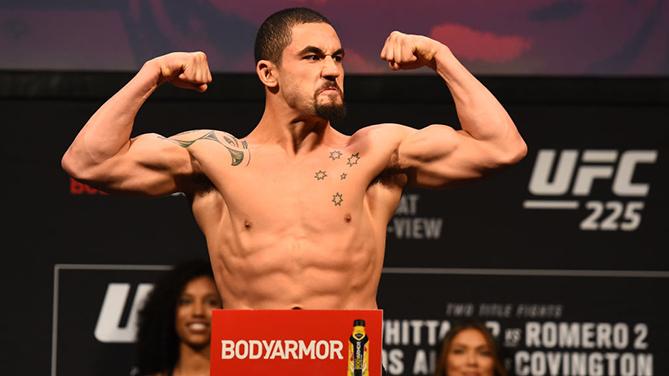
{"x": 508, "y": 38}
{"x": 95, "y": 311}
{"x": 546, "y": 322}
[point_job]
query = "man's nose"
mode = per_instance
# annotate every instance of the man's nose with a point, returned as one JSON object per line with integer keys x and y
{"x": 330, "y": 67}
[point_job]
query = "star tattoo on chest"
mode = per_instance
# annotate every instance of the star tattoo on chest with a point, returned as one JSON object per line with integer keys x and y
{"x": 337, "y": 199}
{"x": 336, "y": 154}
{"x": 320, "y": 175}
{"x": 353, "y": 159}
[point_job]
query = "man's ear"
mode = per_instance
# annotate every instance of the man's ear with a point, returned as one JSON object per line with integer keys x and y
{"x": 267, "y": 72}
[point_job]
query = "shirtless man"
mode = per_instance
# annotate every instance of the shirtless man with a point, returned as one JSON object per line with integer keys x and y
{"x": 295, "y": 213}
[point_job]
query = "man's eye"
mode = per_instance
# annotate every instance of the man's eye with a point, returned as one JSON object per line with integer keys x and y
{"x": 312, "y": 57}
{"x": 338, "y": 58}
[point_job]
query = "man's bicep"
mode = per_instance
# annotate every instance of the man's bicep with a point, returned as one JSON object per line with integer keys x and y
{"x": 438, "y": 154}
{"x": 152, "y": 165}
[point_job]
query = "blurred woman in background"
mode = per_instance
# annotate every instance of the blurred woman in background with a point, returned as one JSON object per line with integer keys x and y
{"x": 469, "y": 349}
{"x": 175, "y": 322}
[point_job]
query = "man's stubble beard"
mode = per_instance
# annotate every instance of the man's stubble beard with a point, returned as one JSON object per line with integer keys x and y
{"x": 331, "y": 111}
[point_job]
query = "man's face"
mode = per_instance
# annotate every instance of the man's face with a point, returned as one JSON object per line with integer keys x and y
{"x": 311, "y": 73}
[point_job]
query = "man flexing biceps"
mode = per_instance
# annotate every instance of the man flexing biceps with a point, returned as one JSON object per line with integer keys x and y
{"x": 295, "y": 212}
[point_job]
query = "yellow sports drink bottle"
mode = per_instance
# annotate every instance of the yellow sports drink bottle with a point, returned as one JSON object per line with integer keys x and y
{"x": 358, "y": 350}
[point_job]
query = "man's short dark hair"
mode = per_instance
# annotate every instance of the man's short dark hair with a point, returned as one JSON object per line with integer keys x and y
{"x": 275, "y": 33}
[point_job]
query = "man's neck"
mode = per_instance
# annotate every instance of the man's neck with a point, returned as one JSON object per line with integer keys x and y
{"x": 296, "y": 133}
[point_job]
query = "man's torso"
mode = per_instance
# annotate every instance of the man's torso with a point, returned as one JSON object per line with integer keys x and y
{"x": 298, "y": 231}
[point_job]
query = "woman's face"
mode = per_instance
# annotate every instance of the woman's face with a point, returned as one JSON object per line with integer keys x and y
{"x": 469, "y": 355}
{"x": 193, "y": 315}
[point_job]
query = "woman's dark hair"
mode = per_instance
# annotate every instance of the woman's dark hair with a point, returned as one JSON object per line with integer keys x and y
{"x": 157, "y": 340}
{"x": 498, "y": 365}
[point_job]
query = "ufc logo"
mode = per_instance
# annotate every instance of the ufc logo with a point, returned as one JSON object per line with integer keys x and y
{"x": 108, "y": 328}
{"x": 579, "y": 168}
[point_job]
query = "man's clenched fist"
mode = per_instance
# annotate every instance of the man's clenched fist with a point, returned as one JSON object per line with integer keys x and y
{"x": 188, "y": 70}
{"x": 408, "y": 51}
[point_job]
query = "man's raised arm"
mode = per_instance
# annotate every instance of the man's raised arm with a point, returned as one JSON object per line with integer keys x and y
{"x": 438, "y": 154}
{"x": 104, "y": 155}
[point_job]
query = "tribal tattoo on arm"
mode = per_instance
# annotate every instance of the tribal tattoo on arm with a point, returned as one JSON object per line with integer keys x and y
{"x": 237, "y": 149}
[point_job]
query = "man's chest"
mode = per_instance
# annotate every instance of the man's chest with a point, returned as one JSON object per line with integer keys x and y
{"x": 324, "y": 180}
{"x": 327, "y": 184}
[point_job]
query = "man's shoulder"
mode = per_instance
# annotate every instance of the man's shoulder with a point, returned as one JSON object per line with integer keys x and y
{"x": 190, "y": 137}
{"x": 202, "y": 133}
{"x": 384, "y": 129}
{"x": 382, "y": 133}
